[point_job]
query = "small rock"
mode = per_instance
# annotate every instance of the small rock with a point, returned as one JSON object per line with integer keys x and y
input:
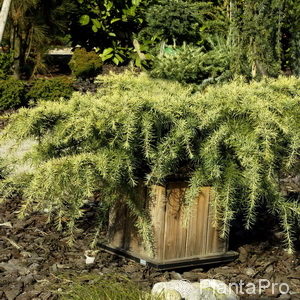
{"x": 34, "y": 266}
{"x": 28, "y": 279}
{"x": 89, "y": 260}
{"x": 184, "y": 288}
{"x": 175, "y": 276}
{"x": 269, "y": 269}
{"x": 5, "y": 256}
{"x": 249, "y": 272}
{"x": 217, "y": 289}
{"x": 23, "y": 296}
{"x": 14, "y": 266}
{"x": 207, "y": 295}
{"x": 279, "y": 235}
{"x": 38, "y": 277}
{"x": 14, "y": 291}
{"x": 90, "y": 256}
{"x": 252, "y": 260}
{"x": 243, "y": 254}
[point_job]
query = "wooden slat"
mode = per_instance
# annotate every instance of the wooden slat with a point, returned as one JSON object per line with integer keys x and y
{"x": 157, "y": 207}
{"x": 197, "y": 228}
{"x": 175, "y": 233}
{"x": 117, "y": 218}
{"x": 133, "y": 241}
{"x": 214, "y": 243}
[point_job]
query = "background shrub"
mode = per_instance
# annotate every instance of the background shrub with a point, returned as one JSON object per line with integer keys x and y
{"x": 12, "y": 94}
{"x": 174, "y": 20}
{"x": 85, "y": 64}
{"x": 191, "y": 64}
{"x": 51, "y": 89}
{"x": 6, "y": 62}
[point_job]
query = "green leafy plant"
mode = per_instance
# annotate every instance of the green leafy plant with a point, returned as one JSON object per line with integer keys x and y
{"x": 12, "y": 94}
{"x": 238, "y": 137}
{"x": 85, "y": 64}
{"x": 111, "y": 22}
{"x": 117, "y": 54}
{"x": 51, "y": 89}
{"x": 138, "y": 54}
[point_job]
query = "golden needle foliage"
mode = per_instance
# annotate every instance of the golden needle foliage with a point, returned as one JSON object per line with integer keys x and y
{"x": 237, "y": 137}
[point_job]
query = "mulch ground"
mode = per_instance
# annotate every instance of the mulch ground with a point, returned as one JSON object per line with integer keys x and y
{"x": 35, "y": 260}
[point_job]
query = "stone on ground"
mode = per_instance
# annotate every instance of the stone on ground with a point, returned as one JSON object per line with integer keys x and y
{"x": 185, "y": 289}
{"x": 215, "y": 290}
{"x": 207, "y": 289}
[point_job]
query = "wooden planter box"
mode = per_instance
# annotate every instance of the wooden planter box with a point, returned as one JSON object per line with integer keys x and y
{"x": 175, "y": 246}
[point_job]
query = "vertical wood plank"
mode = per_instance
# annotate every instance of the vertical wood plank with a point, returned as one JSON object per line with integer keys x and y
{"x": 175, "y": 233}
{"x": 197, "y": 228}
{"x": 214, "y": 244}
{"x": 157, "y": 207}
{"x": 133, "y": 241}
{"x": 117, "y": 219}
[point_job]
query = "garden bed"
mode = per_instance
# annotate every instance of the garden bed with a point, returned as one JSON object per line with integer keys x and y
{"x": 36, "y": 263}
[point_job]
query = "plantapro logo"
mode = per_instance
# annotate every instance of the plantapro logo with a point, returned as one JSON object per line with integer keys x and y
{"x": 249, "y": 288}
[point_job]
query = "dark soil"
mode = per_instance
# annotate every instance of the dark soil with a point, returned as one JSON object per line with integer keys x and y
{"x": 35, "y": 260}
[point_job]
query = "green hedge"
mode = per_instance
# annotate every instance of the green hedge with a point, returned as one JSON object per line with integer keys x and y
{"x": 16, "y": 93}
{"x": 50, "y": 89}
{"x": 6, "y": 63}
{"x": 12, "y": 94}
{"x": 237, "y": 137}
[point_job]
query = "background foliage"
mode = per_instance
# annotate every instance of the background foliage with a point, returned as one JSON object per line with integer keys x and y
{"x": 6, "y": 62}
{"x": 191, "y": 64}
{"x": 111, "y": 22}
{"x": 264, "y": 33}
{"x": 33, "y": 27}
{"x": 12, "y": 94}
{"x": 85, "y": 64}
{"x": 50, "y": 89}
{"x": 176, "y": 21}
{"x": 17, "y": 93}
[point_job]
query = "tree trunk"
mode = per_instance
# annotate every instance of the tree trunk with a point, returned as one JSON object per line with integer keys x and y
{"x": 18, "y": 57}
{"x": 3, "y": 16}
